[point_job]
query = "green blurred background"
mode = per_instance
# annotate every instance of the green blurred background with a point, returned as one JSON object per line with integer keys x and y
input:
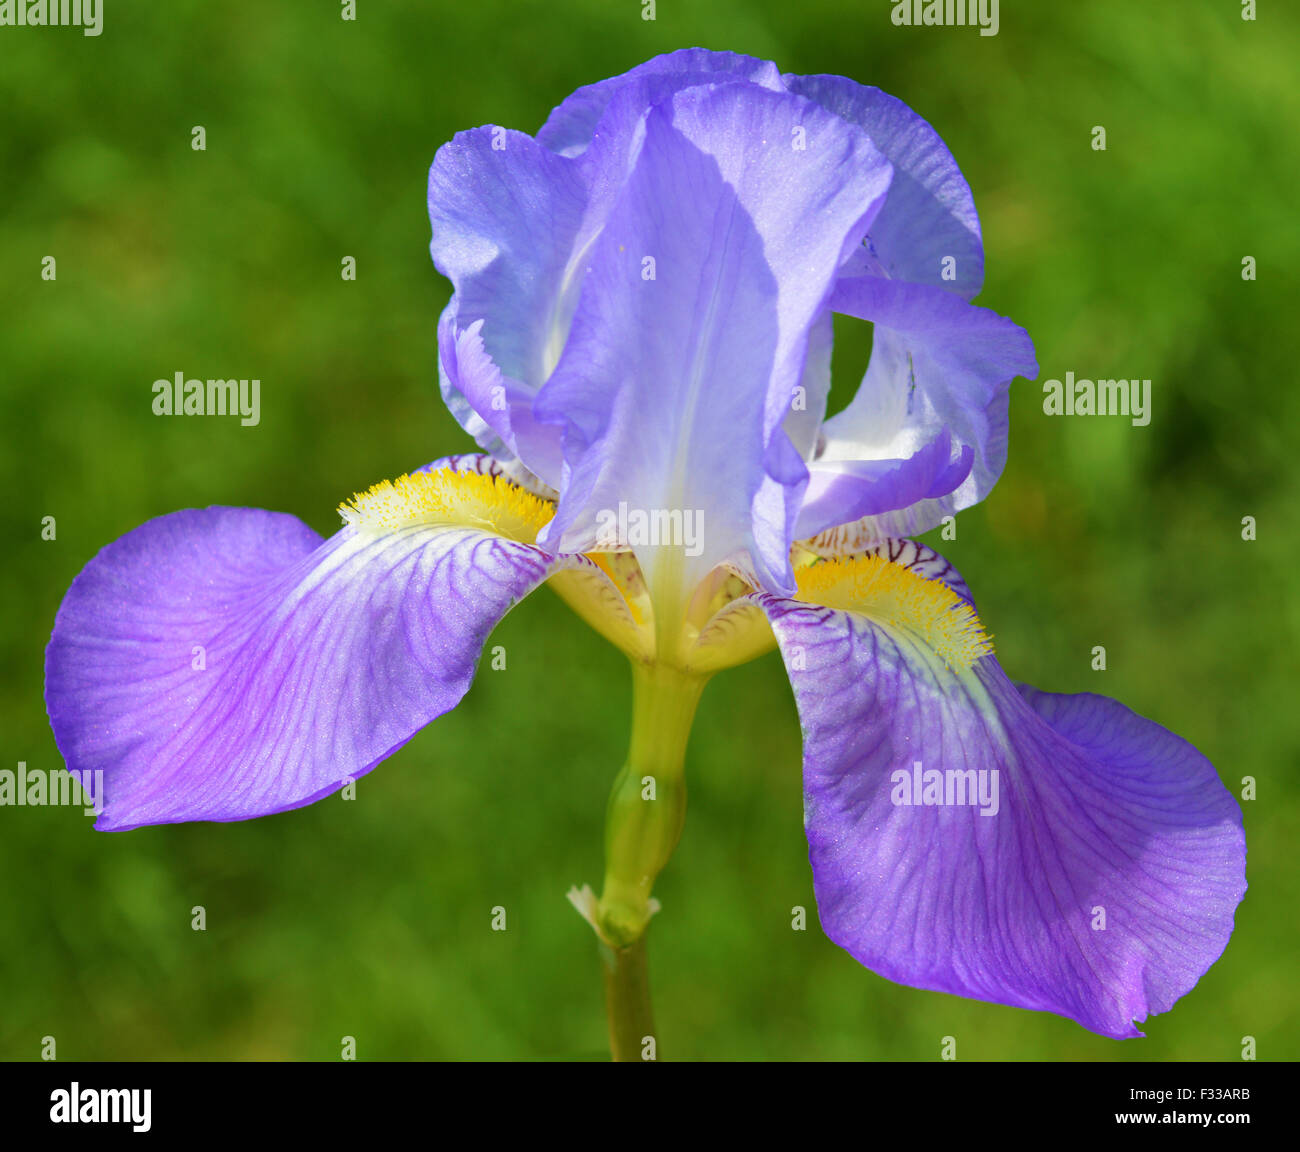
{"x": 371, "y": 918}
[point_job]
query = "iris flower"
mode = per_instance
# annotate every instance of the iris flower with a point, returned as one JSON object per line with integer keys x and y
{"x": 639, "y": 341}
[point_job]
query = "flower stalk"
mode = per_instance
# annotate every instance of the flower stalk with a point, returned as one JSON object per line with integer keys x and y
{"x": 627, "y": 1002}
{"x": 643, "y": 824}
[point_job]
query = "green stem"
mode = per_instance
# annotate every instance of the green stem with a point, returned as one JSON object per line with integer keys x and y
{"x": 643, "y": 824}
{"x": 647, "y": 806}
{"x": 627, "y": 1002}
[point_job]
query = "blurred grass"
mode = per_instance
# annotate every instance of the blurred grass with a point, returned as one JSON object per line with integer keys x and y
{"x": 371, "y": 918}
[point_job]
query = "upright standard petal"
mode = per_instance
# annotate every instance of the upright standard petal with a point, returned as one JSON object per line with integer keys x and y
{"x": 525, "y": 228}
{"x": 225, "y": 663}
{"x": 507, "y": 218}
{"x": 870, "y": 491}
{"x": 928, "y": 231}
{"x": 571, "y": 127}
{"x": 1051, "y": 852}
{"x": 692, "y": 330}
{"x": 940, "y": 372}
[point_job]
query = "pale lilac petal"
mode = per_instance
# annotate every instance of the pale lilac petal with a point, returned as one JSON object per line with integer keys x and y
{"x": 939, "y": 366}
{"x": 570, "y": 128}
{"x": 496, "y": 410}
{"x": 673, "y": 390}
{"x": 508, "y": 219}
{"x": 545, "y": 243}
{"x": 929, "y": 216}
{"x": 803, "y": 423}
{"x": 845, "y": 491}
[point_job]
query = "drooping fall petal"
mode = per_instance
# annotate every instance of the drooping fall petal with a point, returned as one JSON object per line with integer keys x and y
{"x": 976, "y": 837}
{"x": 225, "y": 663}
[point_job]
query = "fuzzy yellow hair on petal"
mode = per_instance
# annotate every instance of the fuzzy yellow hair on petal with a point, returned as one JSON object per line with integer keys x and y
{"x": 897, "y": 597}
{"x": 443, "y": 497}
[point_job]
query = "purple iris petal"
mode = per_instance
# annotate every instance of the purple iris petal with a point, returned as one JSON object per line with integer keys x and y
{"x": 928, "y": 231}
{"x": 935, "y": 367}
{"x": 507, "y": 218}
{"x": 554, "y": 348}
{"x": 570, "y": 128}
{"x": 803, "y": 423}
{"x": 674, "y": 385}
{"x": 1101, "y": 888}
{"x": 226, "y": 663}
{"x": 472, "y": 383}
{"x": 939, "y": 366}
{"x": 845, "y": 491}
